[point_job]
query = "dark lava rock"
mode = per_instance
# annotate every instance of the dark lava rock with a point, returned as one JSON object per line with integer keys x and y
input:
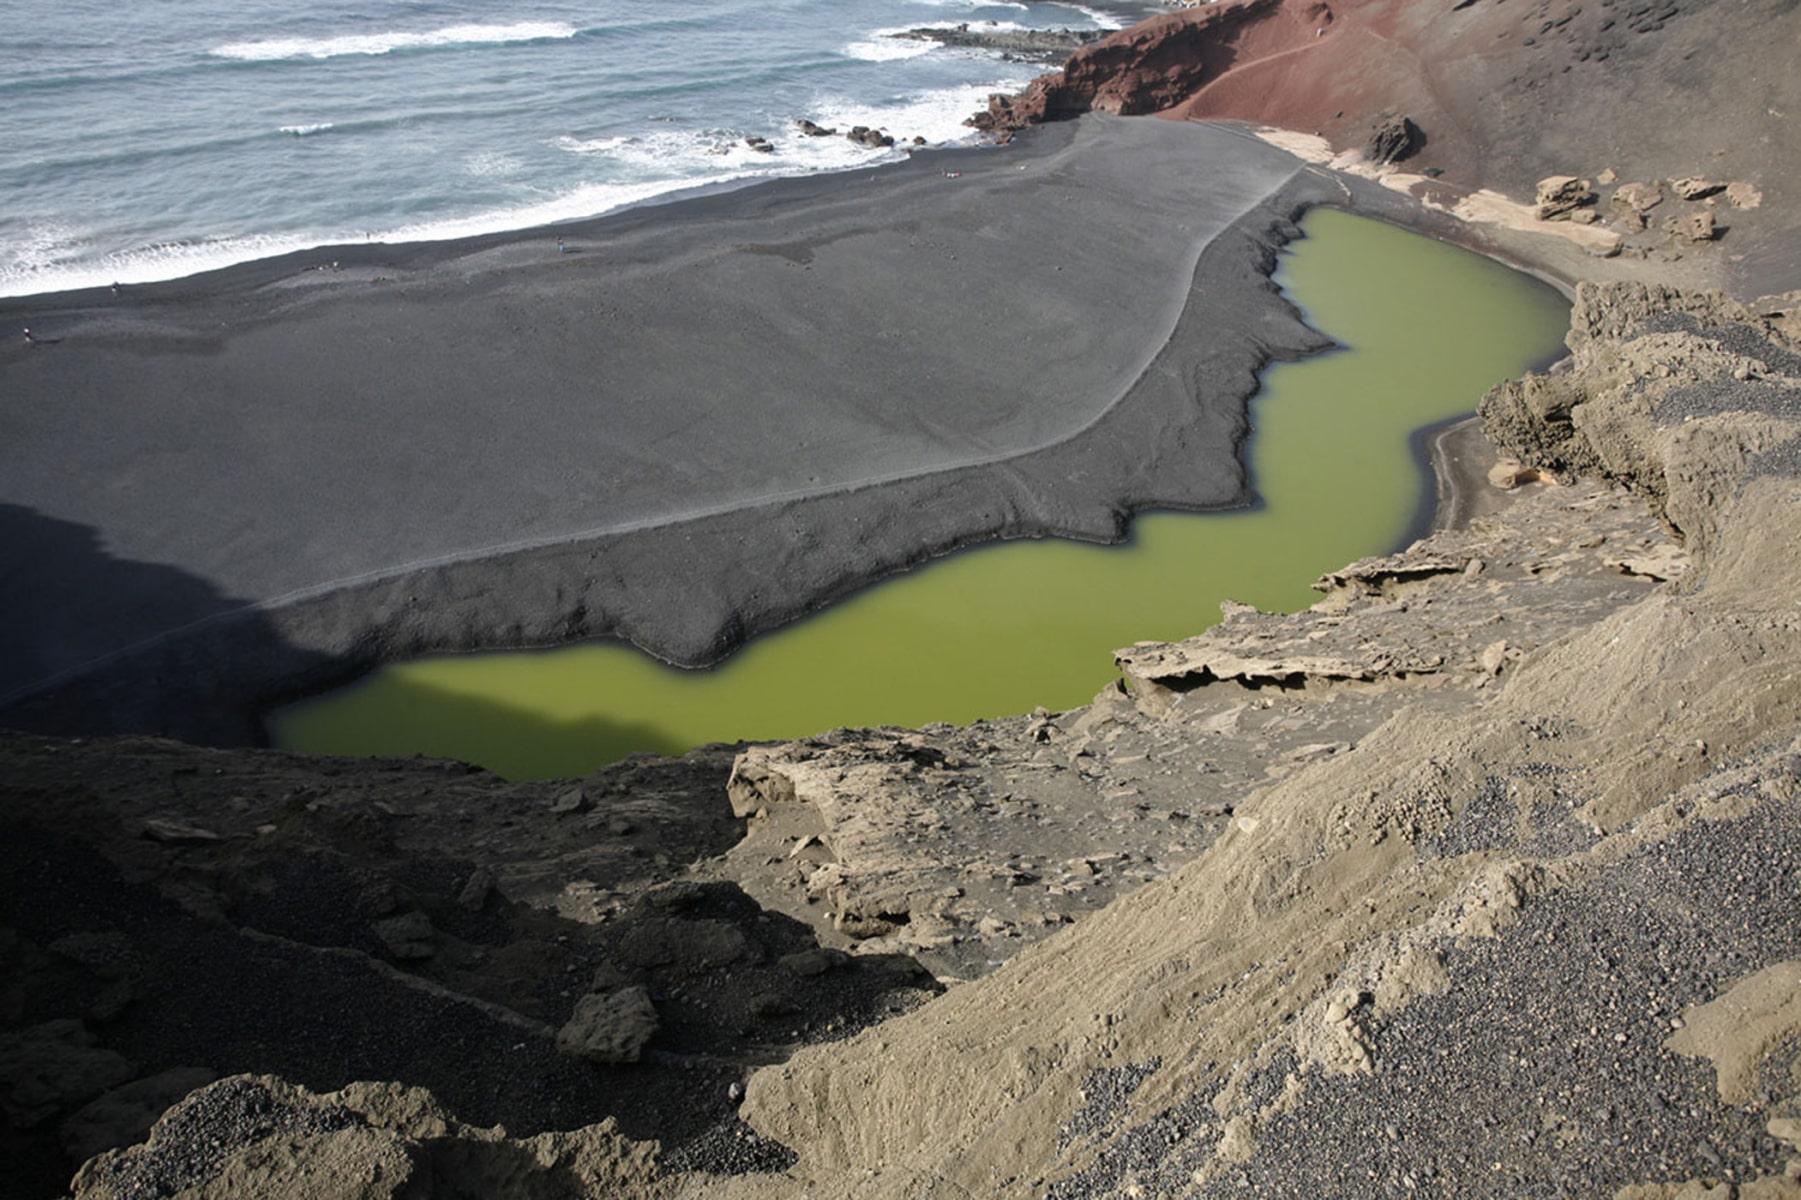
{"x": 1014, "y": 45}
{"x": 875, "y": 139}
{"x": 1394, "y": 138}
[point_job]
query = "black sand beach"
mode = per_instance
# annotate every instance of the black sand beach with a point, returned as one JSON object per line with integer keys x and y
{"x": 750, "y": 402}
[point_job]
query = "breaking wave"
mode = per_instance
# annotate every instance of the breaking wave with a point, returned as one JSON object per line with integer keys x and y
{"x": 384, "y": 43}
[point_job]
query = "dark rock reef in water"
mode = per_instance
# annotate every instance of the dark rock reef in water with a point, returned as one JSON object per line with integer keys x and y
{"x": 1025, "y": 45}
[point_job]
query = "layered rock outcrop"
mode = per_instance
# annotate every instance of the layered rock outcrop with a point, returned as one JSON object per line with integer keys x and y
{"x": 1680, "y": 396}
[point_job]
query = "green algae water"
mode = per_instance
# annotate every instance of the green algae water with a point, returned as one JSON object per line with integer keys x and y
{"x": 1426, "y": 327}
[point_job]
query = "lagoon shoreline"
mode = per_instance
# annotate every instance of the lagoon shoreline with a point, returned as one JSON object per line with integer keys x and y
{"x": 740, "y": 568}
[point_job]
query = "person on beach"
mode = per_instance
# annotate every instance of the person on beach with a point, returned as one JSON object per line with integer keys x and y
{"x": 561, "y": 248}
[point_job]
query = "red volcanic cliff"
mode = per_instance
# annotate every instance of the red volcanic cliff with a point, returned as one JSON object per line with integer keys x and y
{"x": 1163, "y": 61}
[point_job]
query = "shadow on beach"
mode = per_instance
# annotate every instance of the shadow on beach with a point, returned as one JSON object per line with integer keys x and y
{"x": 76, "y": 602}
{"x": 91, "y": 643}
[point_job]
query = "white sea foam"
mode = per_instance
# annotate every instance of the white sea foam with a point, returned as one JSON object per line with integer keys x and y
{"x": 886, "y": 45}
{"x": 306, "y": 130}
{"x": 383, "y": 43}
{"x": 700, "y": 153}
{"x": 1101, "y": 20}
{"x": 881, "y": 48}
{"x": 40, "y": 243}
{"x": 935, "y": 115}
{"x": 59, "y": 270}
{"x": 49, "y": 264}
{"x": 589, "y": 200}
{"x": 601, "y": 145}
{"x": 52, "y": 257}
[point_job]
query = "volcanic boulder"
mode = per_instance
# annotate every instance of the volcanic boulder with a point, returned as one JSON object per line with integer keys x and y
{"x": 875, "y": 139}
{"x": 609, "y": 1027}
{"x": 1394, "y": 138}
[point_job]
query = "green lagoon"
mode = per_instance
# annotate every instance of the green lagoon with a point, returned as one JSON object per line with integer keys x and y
{"x": 1426, "y": 327}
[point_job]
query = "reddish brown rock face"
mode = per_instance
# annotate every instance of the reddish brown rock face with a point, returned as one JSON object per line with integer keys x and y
{"x": 1157, "y": 64}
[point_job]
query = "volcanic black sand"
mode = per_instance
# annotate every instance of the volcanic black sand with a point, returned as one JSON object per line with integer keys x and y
{"x": 700, "y": 420}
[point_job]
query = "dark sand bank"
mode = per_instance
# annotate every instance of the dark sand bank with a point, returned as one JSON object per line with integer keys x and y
{"x": 705, "y": 420}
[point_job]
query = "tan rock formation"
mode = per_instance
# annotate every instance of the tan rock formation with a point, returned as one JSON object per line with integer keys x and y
{"x": 1695, "y": 226}
{"x": 1560, "y": 195}
{"x": 1695, "y": 188}
{"x": 1743, "y": 195}
{"x": 1638, "y": 197}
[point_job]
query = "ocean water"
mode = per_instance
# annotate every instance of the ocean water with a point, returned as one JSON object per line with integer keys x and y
{"x": 154, "y": 140}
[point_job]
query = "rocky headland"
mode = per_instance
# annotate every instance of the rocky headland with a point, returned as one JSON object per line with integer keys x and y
{"x": 1480, "y": 877}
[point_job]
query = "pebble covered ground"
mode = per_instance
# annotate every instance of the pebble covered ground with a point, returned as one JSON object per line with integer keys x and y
{"x": 1543, "y": 1070}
